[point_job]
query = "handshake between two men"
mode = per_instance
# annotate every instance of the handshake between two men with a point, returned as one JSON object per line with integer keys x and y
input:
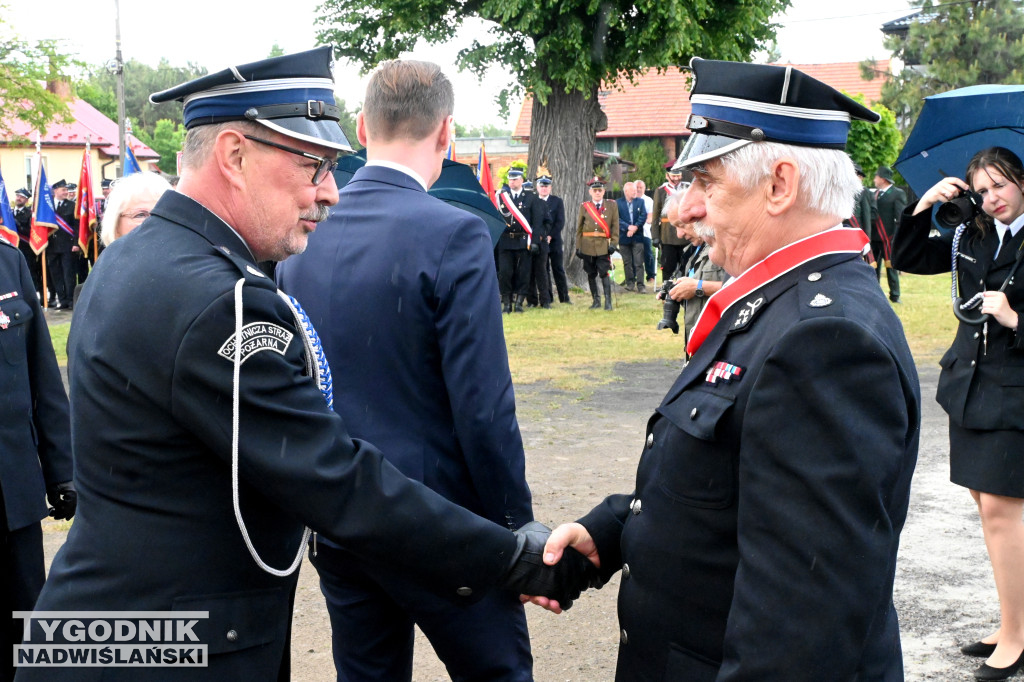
{"x": 551, "y": 569}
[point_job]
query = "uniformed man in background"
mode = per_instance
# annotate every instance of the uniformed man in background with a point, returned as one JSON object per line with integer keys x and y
{"x": 204, "y": 434}
{"x": 663, "y": 234}
{"x": 760, "y": 540}
{"x": 555, "y": 218}
{"x": 597, "y": 235}
{"x": 35, "y": 446}
{"x": 524, "y": 225}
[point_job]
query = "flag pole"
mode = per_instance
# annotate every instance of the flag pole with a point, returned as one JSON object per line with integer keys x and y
{"x": 120, "y": 82}
{"x": 35, "y": 181}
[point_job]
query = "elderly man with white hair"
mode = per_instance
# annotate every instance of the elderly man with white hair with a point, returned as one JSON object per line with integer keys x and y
{"x": 760, "y": 540}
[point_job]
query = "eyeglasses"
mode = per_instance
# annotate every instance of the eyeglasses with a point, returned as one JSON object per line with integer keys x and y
{"x": 323, "y": 166}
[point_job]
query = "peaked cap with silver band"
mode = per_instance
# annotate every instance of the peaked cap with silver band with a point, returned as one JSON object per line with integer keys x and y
{"x": 292, "y": 94}
{"x": 735, "y": 104}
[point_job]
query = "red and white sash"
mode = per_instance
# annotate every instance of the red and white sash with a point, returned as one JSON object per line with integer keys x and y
{"x": 592, "y": 212}
{"x": 778, "y": 263}
{"x": 506, "y": 199}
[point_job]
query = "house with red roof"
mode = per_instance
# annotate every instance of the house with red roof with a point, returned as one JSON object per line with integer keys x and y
{"x": 62, "y": 145}
{"x": 657, "y": 105}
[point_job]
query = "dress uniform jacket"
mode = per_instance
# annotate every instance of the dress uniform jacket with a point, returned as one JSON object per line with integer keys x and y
{"x": 60, "y": 240}
{"x": 980, "y": 388}
{"x": 760, "y": 541}
{"x": 152, "y": 390}
{"x": 532, "y": 208}
{"x": 555, "y": 208}
{"x": 661, "y": 230}
{"x": 889, "y": 207}
{"x": 35, "y": 440}
{"x": 587, "y": 230}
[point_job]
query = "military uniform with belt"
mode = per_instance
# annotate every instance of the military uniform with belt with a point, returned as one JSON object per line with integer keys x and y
{"x": 595, "y": 243}
{"x": 516, "y": 244}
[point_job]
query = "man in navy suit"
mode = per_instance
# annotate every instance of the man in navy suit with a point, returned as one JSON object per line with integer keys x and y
{"x": 632, "y": 214}
{"x": 403, "y": 292}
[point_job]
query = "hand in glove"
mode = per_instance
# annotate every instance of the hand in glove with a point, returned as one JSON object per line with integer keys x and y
{"x": 611, "y": 249}
{"x": 64, "y": 500}
{"x": 528, "y": 575}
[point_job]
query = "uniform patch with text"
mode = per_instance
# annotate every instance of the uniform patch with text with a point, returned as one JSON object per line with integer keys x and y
{"x": 256, "y": 337}
{"x": 723, "y": 371}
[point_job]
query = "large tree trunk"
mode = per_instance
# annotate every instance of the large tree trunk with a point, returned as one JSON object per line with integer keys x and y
{"x": 562, "y": 136}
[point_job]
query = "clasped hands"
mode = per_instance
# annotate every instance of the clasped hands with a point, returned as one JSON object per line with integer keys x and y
{"x": 551, "y": 569}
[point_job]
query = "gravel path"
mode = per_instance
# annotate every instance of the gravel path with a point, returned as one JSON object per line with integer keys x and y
{"x": 579, "y": 450}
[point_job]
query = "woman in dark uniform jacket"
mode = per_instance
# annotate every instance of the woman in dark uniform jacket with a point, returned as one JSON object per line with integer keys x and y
{"x": 981, "y": 386}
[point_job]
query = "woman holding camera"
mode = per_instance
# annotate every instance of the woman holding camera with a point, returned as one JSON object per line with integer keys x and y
{"x": 981, "y": 386}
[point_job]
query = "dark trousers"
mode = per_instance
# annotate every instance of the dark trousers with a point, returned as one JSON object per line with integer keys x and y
{"x": 597, "y": 265}
{"x": 891, "y": 275}
{"x": 556, "y": 258}
{"x": 372, "y": 615}
{"x": 540, "y": 285}
{"x": 62, "y": 270}
{"x": 671, "y": 258}
{"x": 633, "y": 263}
{"x": 649, "y": 266}
{"x": 513, "y": 271}
{"x": 22, "y": 573}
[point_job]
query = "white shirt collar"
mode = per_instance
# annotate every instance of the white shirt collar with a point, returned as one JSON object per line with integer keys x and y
{"x": 401, "y": 169}
{"x": 1013, "y": 227}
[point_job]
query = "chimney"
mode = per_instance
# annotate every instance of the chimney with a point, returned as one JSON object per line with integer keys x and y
{"x": 60, "y": 87}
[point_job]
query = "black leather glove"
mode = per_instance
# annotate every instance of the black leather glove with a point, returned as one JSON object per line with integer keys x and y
{"x": 64, "y": 500}
{"x": 579, "y": 254}
{"x": 534, "y": 247}
{"x": 611, "y": 249}
{"x": 528, "y": 574}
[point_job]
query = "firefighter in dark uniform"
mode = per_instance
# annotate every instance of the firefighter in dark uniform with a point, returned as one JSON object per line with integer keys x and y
{"x": 60, "y": 253}
{"x": 23, "y": 219}
{"x": 760, "y": 540}
{"x": 597, "y": 236}
{"x": 204, "y": 434}
{"x": 663, "y": 234}
{"x": 35, "y": 442}
{"x": 555, "y": 223}
{"x": 524, "y": 226}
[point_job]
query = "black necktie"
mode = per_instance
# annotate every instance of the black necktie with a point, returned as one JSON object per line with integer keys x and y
{"x": 1005, "y": 244}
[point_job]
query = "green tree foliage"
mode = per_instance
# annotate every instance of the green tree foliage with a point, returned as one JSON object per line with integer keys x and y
{"x": 874, "y": 144}
{"x": 166, "y": 140}
{"x": 649, "y": 158}
{"x": 561, "y": 51}
{"x": 487, "y": 130}
{"x": 24, "y": 69}
{"x": 348, "y": 123}
{"x": 953, "y": 45}
{"x": 503, "y": 173}
{"x": 276, "y": 51}
{"x": 140, "y": 81}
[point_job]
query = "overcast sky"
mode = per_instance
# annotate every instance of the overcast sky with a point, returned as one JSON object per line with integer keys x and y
{"x": 213, "y": 35}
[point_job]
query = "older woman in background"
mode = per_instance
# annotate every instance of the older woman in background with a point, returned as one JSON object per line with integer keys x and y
{"x": 129, "y": 204}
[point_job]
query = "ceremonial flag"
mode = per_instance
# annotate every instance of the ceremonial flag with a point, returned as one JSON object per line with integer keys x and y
{"x": 8, "y": 228}
{"x": 131, "y": 164}
{"x": 44, "y": 218}
{"x": 450, "y": 154}
{"x": 85, "y": 202}
{"x": 483, "y": 174}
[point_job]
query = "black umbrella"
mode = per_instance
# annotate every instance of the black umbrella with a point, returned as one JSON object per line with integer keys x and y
{"x": 457, "y": 186}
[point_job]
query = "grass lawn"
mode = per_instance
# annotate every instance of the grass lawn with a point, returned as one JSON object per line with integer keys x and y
{"x": 574, "y": 347}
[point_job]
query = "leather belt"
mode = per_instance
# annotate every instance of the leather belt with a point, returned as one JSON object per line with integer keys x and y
{"x": 602, "y": 235}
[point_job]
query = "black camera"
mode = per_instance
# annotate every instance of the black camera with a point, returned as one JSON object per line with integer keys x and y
{"x": 962, "y": 208}
{"x": 670, "y": 309}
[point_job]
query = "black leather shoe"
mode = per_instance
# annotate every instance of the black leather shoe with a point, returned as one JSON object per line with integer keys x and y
{"x": 894, "y": 299}
{"x": 987, "y": 672}
{"x": 979, "y": 649}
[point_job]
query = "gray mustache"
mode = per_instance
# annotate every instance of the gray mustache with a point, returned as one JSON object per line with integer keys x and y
{"x": 317, "y": 215}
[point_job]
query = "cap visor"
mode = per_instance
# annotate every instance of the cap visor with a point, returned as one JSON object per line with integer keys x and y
{"x": 700, "y": 148}
{"x": 324, "y": 133}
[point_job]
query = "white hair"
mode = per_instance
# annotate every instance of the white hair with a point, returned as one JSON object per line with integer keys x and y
{"x": 125, "y": 191}
{"x": 828, "y": 183}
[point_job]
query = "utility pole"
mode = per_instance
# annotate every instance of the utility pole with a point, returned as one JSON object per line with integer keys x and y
{"x": 116, "y": 67}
